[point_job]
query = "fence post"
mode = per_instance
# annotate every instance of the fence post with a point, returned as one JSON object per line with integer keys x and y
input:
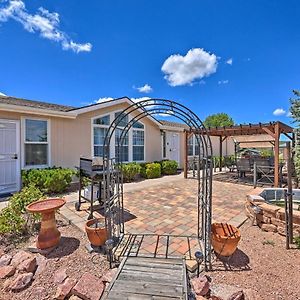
{"x": 254, "y": 175}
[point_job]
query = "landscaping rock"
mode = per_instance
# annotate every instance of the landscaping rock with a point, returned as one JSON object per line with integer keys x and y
{"x": 108, "y": 276}
{"x": 89, "y": 287}
{"x": 29, "y": 265}
{"x": 5, "y": 260}
{"x": 223, "y": 291}
{"x": 41, "y": 265}
{"x": 21, "y": 282}
{"x": 59, "y": 276}
{"x": 64, "y": 289}
{"x": 6, "y": 285}
{"x": 200, "y": 297}
{"x": 1, "y": 252}
{"x": 7, "y": 271}
{"x": 20, "y": 257}
{"x": 73, "y": 297}
{"x": 269, "y": 227}
{"x": 200, "y": 285}
{"x": 237, "y": 296}
{"x": 268, "y": 209}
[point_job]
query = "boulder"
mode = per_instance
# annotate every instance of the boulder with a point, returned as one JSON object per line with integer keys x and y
{"x": 269, "y": 227}
{"x": 108, "y": 276}
{"x": 223, "y": 291}
{"x": 88, "y": 287}
{"x": 200, "y": 285}
{"x": 20, "y": 257}
{"x": 64, "y": 289}
{"x": 41, "y": 265}
{"x": 269, "y": 210}
{"x": 28, "y": 265}
{"x": 5, "y": 260}
{"x": 21, "y": 282}
{"x": 7, "y": 271}
{"x": 60, "y": 275}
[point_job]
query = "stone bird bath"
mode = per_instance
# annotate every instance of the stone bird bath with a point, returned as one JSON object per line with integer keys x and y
{"x": 49, "y": 235}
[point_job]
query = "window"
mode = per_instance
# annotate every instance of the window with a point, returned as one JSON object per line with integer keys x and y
{"x": 133, "y": 145}
{"x": 138, "y": 145}
{"x": 164, "y": 145}
{"x": 193, "y": 146}
{"x": 36, "y": 143}
{"x": 100, "y": 127}
{"x": 123, "y": 154}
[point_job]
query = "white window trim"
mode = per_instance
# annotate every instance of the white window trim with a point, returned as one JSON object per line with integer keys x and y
{"x": 23, "y": 142}
{"x": 112, "y": 142}
{"x": 163, "y": 133}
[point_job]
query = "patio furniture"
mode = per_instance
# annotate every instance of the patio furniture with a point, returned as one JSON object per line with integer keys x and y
{"x": 49, "y": 236}
{"x": 243, "y": 165}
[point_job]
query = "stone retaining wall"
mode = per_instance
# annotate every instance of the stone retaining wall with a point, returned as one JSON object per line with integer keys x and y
{"x": 269, "y": 217}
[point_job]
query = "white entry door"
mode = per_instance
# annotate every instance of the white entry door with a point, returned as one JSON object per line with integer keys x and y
{"x": 173, "y": 146}
{"x": 9, "y": 156}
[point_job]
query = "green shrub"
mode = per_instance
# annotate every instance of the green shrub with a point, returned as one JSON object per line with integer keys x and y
{"x": 297, "y": 241}
{"x": 51, "y": 180}
{"x": 169, "y": 167}
{"x": 153, "y": 170}
{"x": 143, "y": 169}
{"x": 130, "y": 171}
{"x": 14, "y": 218}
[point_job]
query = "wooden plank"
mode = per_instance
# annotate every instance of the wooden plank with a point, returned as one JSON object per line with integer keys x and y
{"x": 149, "y": 269}
{"x": 150, "y": 260}
{"x": 149, "y": 289}
{"x": 150, "y": 274}
{"x": 116, "y": 295}
{"x": 153, "y": 265}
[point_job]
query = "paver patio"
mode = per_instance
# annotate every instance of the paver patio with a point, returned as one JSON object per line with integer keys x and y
{"x": 167, "y": 207}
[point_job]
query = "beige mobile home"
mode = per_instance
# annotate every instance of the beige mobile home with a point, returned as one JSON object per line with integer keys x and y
{"x": 36, "y": 134}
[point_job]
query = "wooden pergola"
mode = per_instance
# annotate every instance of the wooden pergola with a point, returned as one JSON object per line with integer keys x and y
{"x": 274, "y": 129}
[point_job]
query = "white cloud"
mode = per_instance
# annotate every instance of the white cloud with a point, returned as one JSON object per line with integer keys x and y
{"x": 3, "y": 95}
{"x": 43, "y": 22}
{"x": 182, "y": 70}
{"x": 145, "y": 89}
{"x": 229, "y": 61}
{"x": 279, "y": 112}
{"x": 104, "y": 99}
{"x": 289, "y": 114}
{"x": 140, "y": 99}
{"x": 223, "y": 81}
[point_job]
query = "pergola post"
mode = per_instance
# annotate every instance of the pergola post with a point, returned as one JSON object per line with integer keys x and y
{"x": 276, "y": 155}
{"x": 185, "y": 167}
{"x": 221, "y": 153}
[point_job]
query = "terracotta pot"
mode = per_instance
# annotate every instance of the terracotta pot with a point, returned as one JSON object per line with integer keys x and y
{"x": 96, "y": 235}
{"x": 224, "y": 238}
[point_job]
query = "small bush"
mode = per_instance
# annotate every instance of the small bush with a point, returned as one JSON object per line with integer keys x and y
{"x": 169, "y": 167}
{"x": 153, "y": 170}
{"x": 14, "y": 218}
{"x": 297, "y": 241}
{"x": 51, "y": 180}
{"x": 130, "y": 171}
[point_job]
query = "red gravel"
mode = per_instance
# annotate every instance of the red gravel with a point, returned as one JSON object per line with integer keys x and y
{"x": 71, "y": 255}
{"x": 262, "y": 264}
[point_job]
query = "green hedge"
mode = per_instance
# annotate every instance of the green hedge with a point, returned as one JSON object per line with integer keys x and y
{"x": 130, "y": 171}
{"x": 153, "y": 170}
{"x": 169, "y": 167}
{"x": 50, "y": 180}
{"x": 14, "y": 218}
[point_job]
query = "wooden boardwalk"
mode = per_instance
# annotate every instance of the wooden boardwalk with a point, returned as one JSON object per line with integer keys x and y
{"x": 140, "y": 278}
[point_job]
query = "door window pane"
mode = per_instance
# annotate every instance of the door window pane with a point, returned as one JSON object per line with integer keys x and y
{"x": 35, "y": 131}
{"x": 123, "y": 119}
{"x": 138, "y": 125}
{"x": 99, "y": 135}
{"x": 138, "y": 141}
{"x": 36, "y": 154}
{"x": 138, "y": 138}
{"x": 121, "y": 152}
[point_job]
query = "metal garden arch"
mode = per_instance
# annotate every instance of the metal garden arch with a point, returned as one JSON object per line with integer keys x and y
{"x": 113, "y": 179}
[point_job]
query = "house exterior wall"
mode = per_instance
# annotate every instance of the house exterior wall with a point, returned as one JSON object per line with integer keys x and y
{"x": 72, "y": 138}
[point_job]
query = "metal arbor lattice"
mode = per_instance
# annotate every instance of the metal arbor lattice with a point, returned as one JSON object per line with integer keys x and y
{"x": 113, "y": 179}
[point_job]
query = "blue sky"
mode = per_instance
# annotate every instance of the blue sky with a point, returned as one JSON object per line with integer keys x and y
{"x": 240, "y": 57}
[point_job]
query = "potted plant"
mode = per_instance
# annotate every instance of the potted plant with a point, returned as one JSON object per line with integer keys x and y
{"x": 224, "y": 238}
{"x": 96, "y": 231}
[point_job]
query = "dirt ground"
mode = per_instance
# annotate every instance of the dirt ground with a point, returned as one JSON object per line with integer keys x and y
{"x": 262, "y": 264}
{"x": 71, "y": 255}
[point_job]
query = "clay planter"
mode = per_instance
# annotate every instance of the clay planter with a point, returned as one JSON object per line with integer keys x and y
{"x": 49, "y": 236}
{"x": 224, "y": 238}
{"x": 96, "y": 232}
